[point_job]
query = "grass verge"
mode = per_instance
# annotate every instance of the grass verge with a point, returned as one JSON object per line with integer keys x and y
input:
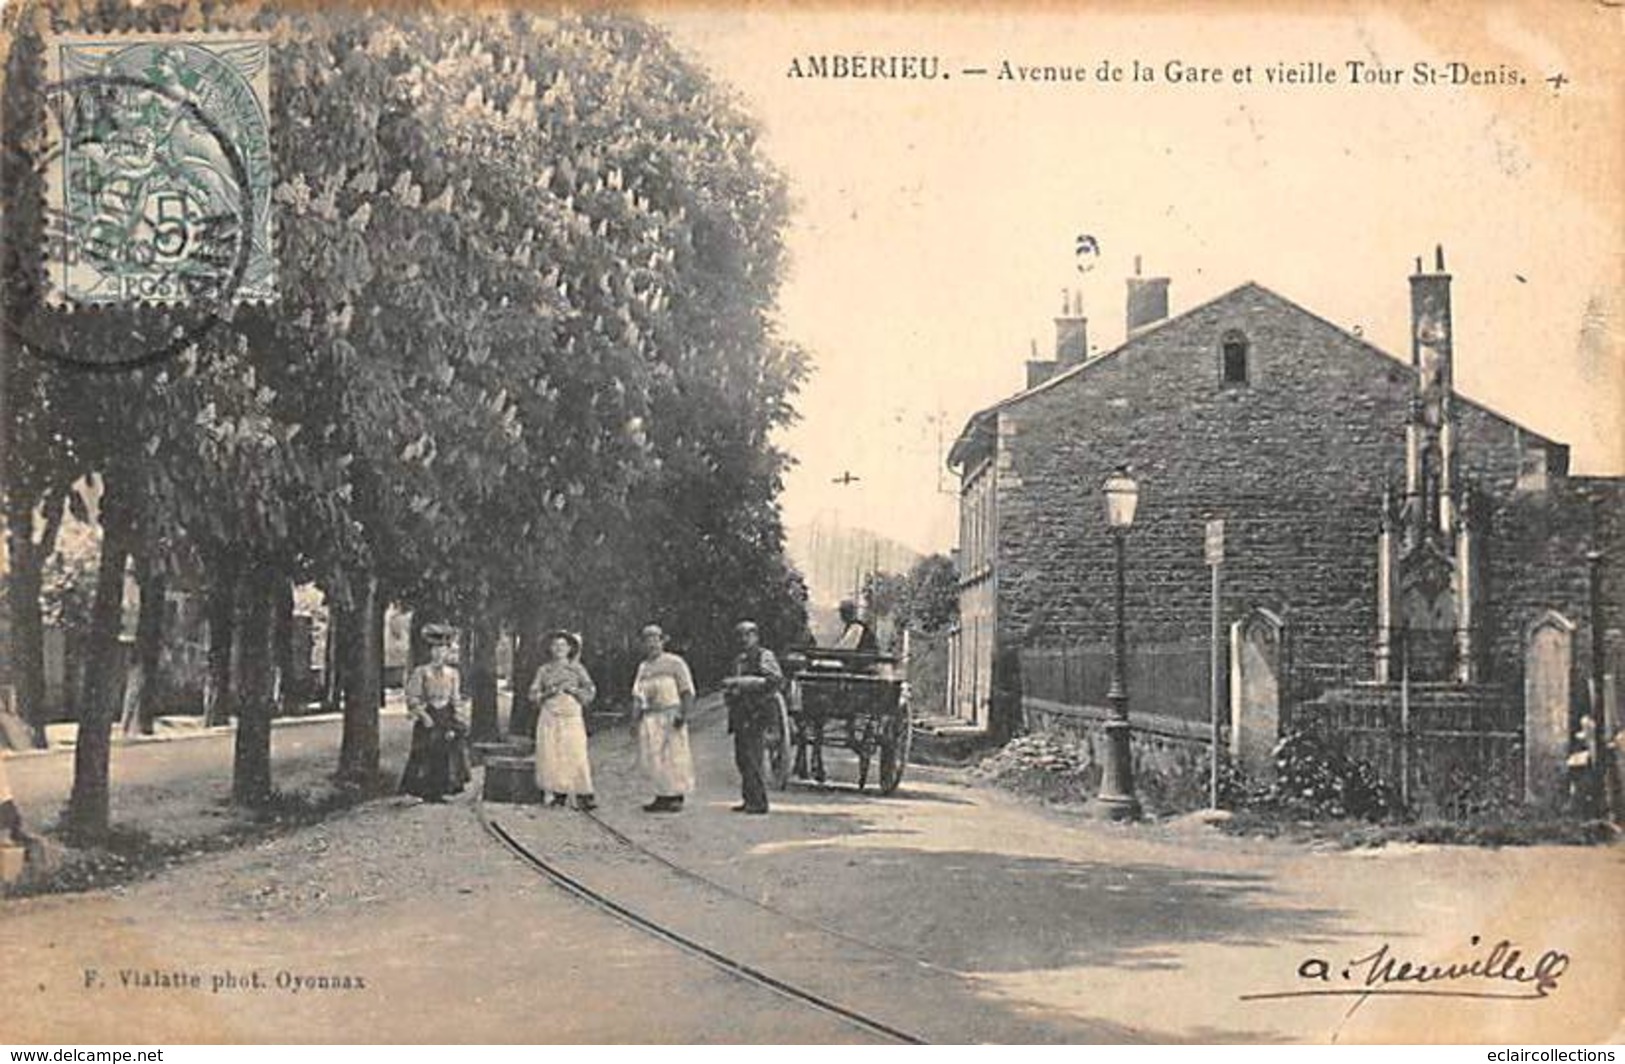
{"x": 1056, "y": 771}
{"x": 1511, "y": 829}
{"x": 127, "y": 854}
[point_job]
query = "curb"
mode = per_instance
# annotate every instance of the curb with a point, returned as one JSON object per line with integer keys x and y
{"x": 178, "y": 735}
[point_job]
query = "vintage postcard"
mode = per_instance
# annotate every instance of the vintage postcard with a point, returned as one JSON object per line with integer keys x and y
{"x": 744, "y": 523}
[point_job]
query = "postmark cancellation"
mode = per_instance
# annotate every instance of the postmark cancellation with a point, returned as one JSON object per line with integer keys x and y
{"x": 158, "y": 187}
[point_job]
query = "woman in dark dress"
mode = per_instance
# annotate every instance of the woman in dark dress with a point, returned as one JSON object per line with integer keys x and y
{"x": 438, "y": 763}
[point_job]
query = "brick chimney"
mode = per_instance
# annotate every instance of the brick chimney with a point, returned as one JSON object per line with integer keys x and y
{"x": 1040, "y": 370}
{"x": 1147, "y": 300}
{"x": 1071, "y": 332}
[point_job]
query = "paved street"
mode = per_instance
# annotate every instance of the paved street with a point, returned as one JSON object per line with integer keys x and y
{"x": 947, "y": 911}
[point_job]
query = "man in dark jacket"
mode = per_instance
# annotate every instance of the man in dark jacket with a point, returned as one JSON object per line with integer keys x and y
{"x": 752, "y": 695}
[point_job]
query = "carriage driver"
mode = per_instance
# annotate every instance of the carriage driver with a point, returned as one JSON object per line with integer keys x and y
{"x": 752, "y": 694}
{"x": 855, "y": 634}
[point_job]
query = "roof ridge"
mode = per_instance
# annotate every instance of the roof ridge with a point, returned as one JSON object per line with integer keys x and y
{"x": 1129, "y": 341}
{"x": 1359, "y": 341}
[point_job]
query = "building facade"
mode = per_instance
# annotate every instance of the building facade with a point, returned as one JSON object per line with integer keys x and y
{"x": 1396, "y": 523}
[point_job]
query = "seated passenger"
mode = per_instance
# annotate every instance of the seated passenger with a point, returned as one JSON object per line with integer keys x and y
{"x": 855, "y": 634}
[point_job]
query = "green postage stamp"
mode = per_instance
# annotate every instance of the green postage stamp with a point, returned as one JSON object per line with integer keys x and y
{"x": 158, "y": 185}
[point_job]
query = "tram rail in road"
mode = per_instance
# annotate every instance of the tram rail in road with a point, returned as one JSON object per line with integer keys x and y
{"x": 739, "y": 969}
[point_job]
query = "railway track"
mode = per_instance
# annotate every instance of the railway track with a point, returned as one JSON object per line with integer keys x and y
{"x": 812, "y": 925}
{"x": 733, "y": 966}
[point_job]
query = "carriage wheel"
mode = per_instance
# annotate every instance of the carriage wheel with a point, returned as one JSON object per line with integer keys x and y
{"x": 777, "y": 748}
{"x": 894, "y": 754}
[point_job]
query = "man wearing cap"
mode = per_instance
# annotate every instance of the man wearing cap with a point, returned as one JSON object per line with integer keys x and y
{"x": 752, "y": 694}
{"x": 662, "y": 702}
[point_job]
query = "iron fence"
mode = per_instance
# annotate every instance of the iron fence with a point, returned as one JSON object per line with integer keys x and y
{"x": 1166, "y": 679}
{"x": 1441, "y": 748}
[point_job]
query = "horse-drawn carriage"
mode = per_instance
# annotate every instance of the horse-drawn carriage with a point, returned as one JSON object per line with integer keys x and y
{"x": 840, "y": 698}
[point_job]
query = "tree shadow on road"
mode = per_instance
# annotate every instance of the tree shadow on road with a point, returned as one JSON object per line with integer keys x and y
{"x": 978, "y": 916}
{"x": 991, "y": 912}
{"x": 838, "y": 790}
{"x": 976, "y": 910}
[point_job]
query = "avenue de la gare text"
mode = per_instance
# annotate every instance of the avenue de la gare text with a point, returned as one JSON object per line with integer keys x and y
{"x": 1352, "y": 72}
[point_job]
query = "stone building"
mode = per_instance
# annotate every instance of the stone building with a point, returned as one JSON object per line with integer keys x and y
{"x": 1394, "y": 524}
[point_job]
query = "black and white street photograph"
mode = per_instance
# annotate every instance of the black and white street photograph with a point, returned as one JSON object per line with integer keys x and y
{"x": 760, "y": 524}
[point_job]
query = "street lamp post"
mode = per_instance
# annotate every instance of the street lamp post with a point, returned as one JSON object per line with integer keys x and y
{"x": 1116, "y": 800}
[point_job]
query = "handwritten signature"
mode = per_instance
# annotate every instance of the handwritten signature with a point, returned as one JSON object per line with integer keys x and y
{"x": 1500, "y": 972}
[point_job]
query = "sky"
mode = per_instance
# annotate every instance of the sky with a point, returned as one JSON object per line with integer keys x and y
{"x": 936, "y": 221}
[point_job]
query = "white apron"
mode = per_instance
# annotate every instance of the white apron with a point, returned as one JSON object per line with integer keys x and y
{"x": 561, "y": 747}
{"x": 663, "y": 753}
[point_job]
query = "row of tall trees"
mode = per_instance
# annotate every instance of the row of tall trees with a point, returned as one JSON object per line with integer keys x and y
{"x": 924, "y": 599}
{"x": 521, "y": 370}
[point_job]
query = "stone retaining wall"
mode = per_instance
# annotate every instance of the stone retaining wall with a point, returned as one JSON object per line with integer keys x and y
{"x": 1170, "y": 755}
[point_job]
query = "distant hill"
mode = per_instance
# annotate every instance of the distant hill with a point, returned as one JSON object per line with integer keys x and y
{"x": 834, "y": 559}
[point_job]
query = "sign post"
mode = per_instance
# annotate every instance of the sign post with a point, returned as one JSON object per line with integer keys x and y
{"x": 1213, "y": 551}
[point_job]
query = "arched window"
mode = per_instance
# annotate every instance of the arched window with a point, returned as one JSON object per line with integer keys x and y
{"x": 1233, "y": 358}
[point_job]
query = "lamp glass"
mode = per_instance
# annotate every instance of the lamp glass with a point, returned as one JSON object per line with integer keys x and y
{"x": 1122, "y": 495}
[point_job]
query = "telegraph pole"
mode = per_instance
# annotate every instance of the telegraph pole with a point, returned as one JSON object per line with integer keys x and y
{"x": 846, "y": 480}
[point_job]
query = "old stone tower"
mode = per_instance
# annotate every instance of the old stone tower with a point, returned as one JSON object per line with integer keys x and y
{"x": 1426, "y": 551}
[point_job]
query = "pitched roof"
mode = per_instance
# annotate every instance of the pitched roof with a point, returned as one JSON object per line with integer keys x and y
{"x": 980, "y": 422}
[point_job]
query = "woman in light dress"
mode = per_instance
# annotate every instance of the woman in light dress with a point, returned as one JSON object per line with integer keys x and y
{"x": 563, "y": 690}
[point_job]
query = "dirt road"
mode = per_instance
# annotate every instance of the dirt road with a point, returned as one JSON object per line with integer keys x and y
{"x": 947, "y": 911}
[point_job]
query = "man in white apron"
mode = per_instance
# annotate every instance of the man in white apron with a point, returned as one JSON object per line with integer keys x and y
{"x": 662, "y": 702}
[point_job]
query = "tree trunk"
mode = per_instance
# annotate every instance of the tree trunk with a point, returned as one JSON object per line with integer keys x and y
{"x": 217, "y": 693}
{"x": 149, "y": 639}
{"x": 28, "y": 645}
{"x": 334, "y": 655}
{"x": 527, "y": 659}
{"x": 377, "y": 644}
{"x": 285, "y": 677}
{"x": 483, "y": 636}
{"x": 239, "y": 604}
{"x": 145, "y": 688}
{"x": 363, "y": 683}
{"x": 256, "y": 704}
{"x": 417, "y": 649}
{"x": 23, "y": 585}
{"x": 512, "y": 637}
{"x": 89, "y": 804}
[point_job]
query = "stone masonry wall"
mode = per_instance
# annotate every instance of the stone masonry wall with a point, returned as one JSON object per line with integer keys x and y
{"x": 1535, "y": 561}
{"x": 1171, "y": 766}
{"x": 1295, "y": 461}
